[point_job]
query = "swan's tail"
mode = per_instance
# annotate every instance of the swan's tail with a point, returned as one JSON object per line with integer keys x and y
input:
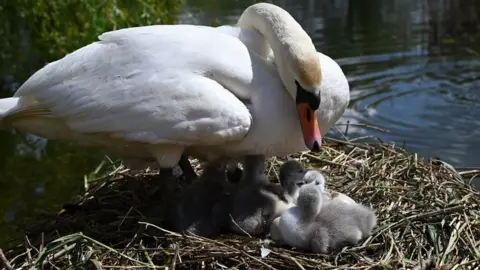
{"x": 6, "y": 104}
{"x": 38, "y": 124}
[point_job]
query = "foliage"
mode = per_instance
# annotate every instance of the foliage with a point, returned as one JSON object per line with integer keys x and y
{"x": 48, "y": 29}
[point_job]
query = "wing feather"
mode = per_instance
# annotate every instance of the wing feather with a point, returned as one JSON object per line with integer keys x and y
{"x": 149, "y": 84}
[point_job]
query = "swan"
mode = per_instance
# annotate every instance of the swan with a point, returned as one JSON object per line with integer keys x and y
{"x": 156, "y": 92}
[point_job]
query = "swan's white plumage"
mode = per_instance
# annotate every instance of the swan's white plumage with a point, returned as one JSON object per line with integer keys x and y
{"x": 157, "y": 91}
{"x": 126, "y": 85}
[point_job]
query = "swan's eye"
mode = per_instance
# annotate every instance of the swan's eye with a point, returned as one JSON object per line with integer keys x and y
{"x": 303, "y": 96}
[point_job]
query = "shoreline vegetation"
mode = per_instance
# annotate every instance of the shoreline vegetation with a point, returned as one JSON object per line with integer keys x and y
{"x": 35, "y": 32}
{"x": 428, "y": 214}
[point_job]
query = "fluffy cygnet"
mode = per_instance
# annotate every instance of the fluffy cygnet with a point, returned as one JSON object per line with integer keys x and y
{"x": 329, "y": 196}
{"x": 324, "y": 225}
{"x": 199, "y": 210}
{"x": 256, "y": 202}
{"x": 293, "y": 176}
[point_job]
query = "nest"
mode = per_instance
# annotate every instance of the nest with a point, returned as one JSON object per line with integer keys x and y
{"x": 428, "y": 219}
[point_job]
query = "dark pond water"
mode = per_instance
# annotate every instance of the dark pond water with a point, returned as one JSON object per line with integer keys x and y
{"x": 413, "y": 68}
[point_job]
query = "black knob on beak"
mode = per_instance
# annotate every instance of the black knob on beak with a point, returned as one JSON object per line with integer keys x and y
{"x": 303, "y": 96}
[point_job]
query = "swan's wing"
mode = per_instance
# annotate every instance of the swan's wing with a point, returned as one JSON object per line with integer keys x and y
{"x": 149, "y": 84}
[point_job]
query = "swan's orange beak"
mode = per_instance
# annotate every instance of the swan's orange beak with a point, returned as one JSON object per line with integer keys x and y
{"x": 309, "y": 124}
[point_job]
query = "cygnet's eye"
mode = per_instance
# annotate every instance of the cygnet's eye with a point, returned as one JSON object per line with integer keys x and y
{"x": 309, "y": 180}
{"x": 299, "y": 184}
{"x": 317, "y": 182}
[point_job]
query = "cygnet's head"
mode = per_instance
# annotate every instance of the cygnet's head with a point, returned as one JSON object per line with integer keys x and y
{"x": 214, "y": 172}
{"x": 291, "y": 169}
{"x": 315, "y": 178}
{"x": 309, "y": 201}
{"x": 291, "y": 175}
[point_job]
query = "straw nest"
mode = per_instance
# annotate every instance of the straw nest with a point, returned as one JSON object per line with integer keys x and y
{"x": 428, "y": 219}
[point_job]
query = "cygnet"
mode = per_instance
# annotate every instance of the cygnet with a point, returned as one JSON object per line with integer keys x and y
{"x": 323, "y": 226}
{"x": 200, "y": 207}
{"x": 256, "y": 202}
{"x": 293, "y": 176}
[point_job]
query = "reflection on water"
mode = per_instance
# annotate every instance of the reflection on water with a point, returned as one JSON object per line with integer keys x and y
{"x": 413, "y": 67}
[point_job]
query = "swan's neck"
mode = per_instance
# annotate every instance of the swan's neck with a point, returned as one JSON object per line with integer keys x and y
{"x": 275, "y": 130}
{"x": 293, "y": 49}
{"x": 280, "y": 29}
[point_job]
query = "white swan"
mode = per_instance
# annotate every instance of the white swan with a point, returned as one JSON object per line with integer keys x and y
{"x": 159, "y": 91}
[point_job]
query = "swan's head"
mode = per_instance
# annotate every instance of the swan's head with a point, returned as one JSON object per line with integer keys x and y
{"x": 301, "y": 73}
{"x": 319, "y": 105}
{"x": 309, "y": 201}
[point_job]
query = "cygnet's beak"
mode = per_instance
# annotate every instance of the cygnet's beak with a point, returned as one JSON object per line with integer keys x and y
{"x": 307, "y": 104}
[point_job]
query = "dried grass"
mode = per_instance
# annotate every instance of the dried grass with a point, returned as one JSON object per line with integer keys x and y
{"x": 428, "y": 219}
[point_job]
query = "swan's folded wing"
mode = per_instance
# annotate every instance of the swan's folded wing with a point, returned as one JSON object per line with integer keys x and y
{"x": 132, "y": 89}
{"x": 196, "y": 110}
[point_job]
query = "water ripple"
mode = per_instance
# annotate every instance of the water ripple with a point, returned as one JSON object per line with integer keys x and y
{"x": 432, "y": 103}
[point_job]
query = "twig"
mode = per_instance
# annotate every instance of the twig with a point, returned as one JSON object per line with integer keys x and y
{"x": 177, "y": 251}
{"x": 231, "y": 247}
{"x": 158, "y": 228}
{"x": 346, "y": 129}
{"x": 469, "y": 172}
{"x": 4, "y": 261}
{"x": 238, "y": 226}
{"x": 421, "y": 216}
{"x": 119, "y": 253}
{"x": 362, "y": 125}
{"x": 344, "y": 136}
{"x": 290, "y": 258}
{"x": 58, "y": 254}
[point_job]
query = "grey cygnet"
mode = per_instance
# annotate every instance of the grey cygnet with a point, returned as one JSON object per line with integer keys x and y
{"x": 199, "y": 210}
{"x": 323, "y": 226}
{"x": 256, "y": 202}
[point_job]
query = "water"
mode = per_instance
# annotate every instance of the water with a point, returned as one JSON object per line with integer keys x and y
{"x": 413, "y": 68}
